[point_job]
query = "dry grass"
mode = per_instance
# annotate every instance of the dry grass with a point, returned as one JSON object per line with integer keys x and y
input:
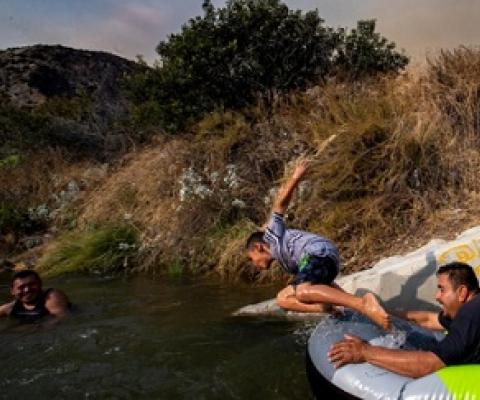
{"x": 406, "y": 155}
{"x": 32, "y": 180}
{"x": 37, "y": 178}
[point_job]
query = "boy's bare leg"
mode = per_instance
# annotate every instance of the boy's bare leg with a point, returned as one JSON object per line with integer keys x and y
{"x": 366, "y": 305}
{"x": 287, "y": 300}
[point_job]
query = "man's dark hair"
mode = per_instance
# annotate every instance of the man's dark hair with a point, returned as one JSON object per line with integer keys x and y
{"x": 24, "y": 274}
{"x": 460, "y": 274}
{"x": 255, "y": 237}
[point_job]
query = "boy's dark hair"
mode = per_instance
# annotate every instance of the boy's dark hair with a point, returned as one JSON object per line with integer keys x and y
{"x": 255, "y": 237}
{"x": 24, "y": 274}
{"x": 460, "y": 274}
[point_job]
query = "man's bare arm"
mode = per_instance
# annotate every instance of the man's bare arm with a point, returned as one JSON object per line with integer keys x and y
{"x": 414, "y": 364}
{"x": 57, "y": 304}
{"x": 425, "y": 319}
{"x": 286, "y": 190}
{"x": 5, "y": 309}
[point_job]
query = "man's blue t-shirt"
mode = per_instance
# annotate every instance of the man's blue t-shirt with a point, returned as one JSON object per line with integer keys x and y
{"x": 288, "y": 246}
{"x": 462, "y": 343}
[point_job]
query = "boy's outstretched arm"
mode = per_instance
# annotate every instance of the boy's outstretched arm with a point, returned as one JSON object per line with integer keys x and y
{"x": 285, "y": 192}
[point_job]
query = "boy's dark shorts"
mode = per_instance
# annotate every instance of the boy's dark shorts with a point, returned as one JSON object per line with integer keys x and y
{"x": 316, "y": 270}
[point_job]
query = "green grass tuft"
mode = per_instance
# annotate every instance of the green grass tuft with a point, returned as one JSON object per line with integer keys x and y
{"x": 110, "y": 248}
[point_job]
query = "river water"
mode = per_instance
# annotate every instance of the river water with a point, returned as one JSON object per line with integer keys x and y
{"x": 146, "y": 338}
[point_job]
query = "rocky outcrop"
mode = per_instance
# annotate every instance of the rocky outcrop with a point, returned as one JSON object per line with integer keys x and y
{"x": 32, "y": 76}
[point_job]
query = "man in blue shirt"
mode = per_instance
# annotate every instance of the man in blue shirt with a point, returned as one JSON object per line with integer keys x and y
{"x": 458, "y": 294}
{"x": 313, "y": 259}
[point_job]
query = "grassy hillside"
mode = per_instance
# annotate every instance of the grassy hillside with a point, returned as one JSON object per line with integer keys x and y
{"x": 402, "y": 169}
{"x": 62, "y": 115}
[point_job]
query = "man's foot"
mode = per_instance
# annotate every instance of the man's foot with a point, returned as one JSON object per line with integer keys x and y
{"x": 373, "y": 310}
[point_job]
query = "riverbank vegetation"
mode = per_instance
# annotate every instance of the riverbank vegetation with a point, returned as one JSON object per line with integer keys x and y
{"x": 403, "y": 168}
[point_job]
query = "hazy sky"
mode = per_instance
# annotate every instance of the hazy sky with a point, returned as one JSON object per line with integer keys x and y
{"x": 129, "y": 28}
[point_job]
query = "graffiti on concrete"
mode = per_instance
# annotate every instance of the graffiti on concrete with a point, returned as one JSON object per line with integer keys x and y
{"x": 465, "y": 252}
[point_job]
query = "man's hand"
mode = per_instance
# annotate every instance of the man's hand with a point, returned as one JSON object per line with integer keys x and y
{"x": 351, "y": 350}
{"x": 57, "y": 304}
{"x": 6, "y": 309}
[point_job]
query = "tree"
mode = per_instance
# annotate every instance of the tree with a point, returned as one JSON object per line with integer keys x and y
{"x": 365, "y": 52}
{"x": 229, "y": 56}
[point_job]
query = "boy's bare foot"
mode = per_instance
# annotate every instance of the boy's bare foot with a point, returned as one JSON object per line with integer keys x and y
{"x": 373, "y": 310}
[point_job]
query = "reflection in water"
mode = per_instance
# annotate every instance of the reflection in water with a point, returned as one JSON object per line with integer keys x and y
{"x": 142, "y": 338}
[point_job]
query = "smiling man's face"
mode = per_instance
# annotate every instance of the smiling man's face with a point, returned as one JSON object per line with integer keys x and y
{"x": 448, "y": 296}
{"x": 26, "y": 289}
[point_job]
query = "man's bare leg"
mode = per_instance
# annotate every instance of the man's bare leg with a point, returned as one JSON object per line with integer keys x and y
{"x": 366, "y": 305}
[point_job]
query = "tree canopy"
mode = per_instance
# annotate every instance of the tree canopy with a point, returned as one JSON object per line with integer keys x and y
{"x": 249, "y": 48}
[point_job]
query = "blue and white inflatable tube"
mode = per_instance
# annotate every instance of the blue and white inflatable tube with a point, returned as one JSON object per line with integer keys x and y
{"x": 366, "y": 381}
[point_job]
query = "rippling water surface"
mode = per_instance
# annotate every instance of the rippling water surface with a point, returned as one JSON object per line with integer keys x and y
{"x": 156, "y": 339}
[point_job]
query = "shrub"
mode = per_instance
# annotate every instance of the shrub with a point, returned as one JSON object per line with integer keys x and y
{"x": 68, "y": 124}
{"x": 12, "y": 219}
{"x": 18, "y": 220}
{"x": 19, "y": 128}
{"x": 363, "y": 52}
{"x": 10, "y": 161}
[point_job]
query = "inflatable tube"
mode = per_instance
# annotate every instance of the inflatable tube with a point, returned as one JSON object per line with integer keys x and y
{"x": 366, "y": 381}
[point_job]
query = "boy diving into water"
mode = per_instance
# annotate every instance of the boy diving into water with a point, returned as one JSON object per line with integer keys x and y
{"x": 313, "y": 259}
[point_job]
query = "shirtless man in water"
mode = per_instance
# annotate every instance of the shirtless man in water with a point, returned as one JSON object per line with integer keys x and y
{"x": 31, "y": 301}
{"x": 313, "y": 259}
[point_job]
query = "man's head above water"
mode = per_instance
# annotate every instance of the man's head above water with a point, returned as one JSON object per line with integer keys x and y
{"x": 457, "y": 284}
{"x": 26, "y": 286}
{"x": 31, "y": 302}
{"x": 258, "y": 251}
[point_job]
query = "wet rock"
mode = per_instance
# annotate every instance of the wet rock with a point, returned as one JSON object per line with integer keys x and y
{"x": 31, "y": 76}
